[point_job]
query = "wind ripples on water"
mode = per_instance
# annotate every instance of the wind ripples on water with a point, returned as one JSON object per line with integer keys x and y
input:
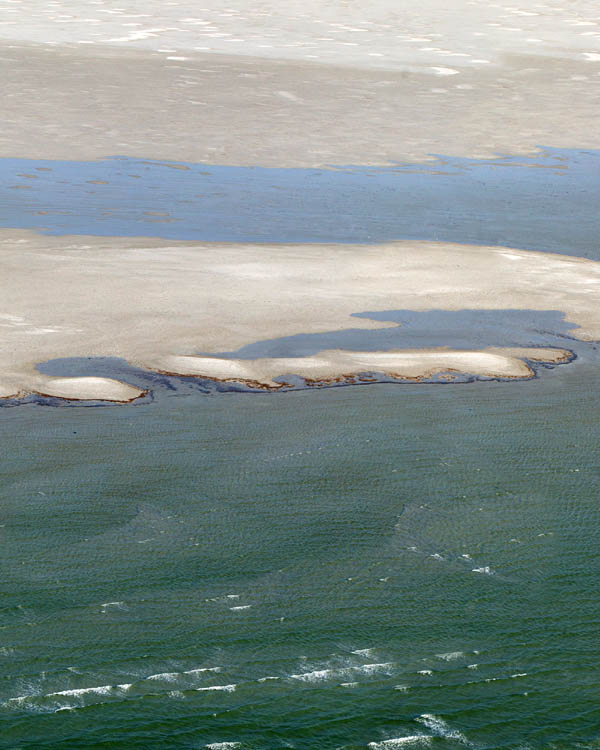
{"x": 350, "y": 639}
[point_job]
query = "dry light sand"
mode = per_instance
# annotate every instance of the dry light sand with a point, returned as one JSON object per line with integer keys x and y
{"x": 340, "y": 366}
{"x": 158, "y": 304}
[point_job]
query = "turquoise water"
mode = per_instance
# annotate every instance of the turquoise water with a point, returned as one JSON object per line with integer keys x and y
{"x": 308, "y": 552}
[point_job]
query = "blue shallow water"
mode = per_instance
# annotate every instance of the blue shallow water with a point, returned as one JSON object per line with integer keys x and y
{"x": 545, "y": 202}
{"x": 461, "y": 329}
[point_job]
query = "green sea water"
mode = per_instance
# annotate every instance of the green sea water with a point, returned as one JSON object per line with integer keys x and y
{"x": 387, "y": 566}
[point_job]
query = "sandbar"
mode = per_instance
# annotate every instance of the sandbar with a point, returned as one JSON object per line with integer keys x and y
{"x": 306, "y": 84}
{"x": 149, "y": 301}
{"x": 344, "y": 366}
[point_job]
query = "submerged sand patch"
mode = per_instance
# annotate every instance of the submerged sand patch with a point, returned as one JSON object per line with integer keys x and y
{"x": 151, "y": 302}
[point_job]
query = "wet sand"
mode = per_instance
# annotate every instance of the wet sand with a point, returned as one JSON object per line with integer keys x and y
{"x": 379, "y": 34}
{"x": 297, "y": 85}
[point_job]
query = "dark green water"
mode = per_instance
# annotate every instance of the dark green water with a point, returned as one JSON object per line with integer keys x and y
{"x": 308, "y": 551}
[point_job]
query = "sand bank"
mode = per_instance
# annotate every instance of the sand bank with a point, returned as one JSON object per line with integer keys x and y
{"x": 344, "y": 366}
{"x": 221, "y": 108}
{"x": 73, "y": 389}
{"x": 88, "y": 389}
{"x": 148, "y": 301}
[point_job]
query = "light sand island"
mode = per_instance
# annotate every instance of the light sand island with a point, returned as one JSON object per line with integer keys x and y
{"x": 158, "y": 305}
{"x": 340, "y": 366}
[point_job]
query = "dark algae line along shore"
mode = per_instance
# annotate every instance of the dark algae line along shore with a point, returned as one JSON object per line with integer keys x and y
{"x": 464, "y": 329}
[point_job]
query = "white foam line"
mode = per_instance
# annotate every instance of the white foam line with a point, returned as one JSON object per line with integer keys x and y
{"x": 413, "y": 739}
{"x": 100, "y": 690}
{"x": 172, "y": 676}
{"x": 451, "y": 655}
{"x": 370, "y": 668}
{"x": 319, "y": 675}
{"x": 485, "y": 569}
{"x": 441, "y": 728}
{"x": 314, "y": 676}
{"x": 203, "y": 669}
